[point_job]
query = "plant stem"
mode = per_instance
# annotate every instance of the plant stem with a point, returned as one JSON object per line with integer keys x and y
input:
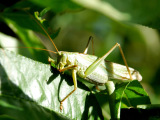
{"x": 110, "y": 86}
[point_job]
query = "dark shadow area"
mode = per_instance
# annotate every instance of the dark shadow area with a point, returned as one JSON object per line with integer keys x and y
{"x": 140, "y": 114}
{"x": 96, "y": 112}
{"x": 6, "y": 30}
{"x": 15, "y": 104}
{"x": 54, "y": 75}
{"x": 156, "y": 82}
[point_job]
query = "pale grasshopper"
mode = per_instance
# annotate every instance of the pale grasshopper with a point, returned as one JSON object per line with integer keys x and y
{"x": 95, "y": 70}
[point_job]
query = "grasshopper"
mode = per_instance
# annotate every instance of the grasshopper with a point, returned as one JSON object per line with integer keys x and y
{"x": 95, "y": 70}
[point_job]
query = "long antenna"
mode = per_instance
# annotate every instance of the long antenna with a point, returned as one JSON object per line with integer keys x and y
{"x": 44, "y": 31}
{"x": 35, "y": 48}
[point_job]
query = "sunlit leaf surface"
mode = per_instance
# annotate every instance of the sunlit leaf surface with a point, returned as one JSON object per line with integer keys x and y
{"x": 29, "y": 90}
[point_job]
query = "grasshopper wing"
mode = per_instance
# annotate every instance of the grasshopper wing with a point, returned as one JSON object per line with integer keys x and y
{"x": 119, "y": 72}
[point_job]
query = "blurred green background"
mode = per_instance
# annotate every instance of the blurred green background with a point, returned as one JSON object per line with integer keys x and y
{"x": 133, "y": 24}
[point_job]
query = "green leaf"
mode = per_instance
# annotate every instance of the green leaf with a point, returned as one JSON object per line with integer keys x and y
{"x": 29, "y": 90}
{"x": 26, "y": 18}
{"x": 130, "y": 94}
{"x": 58, "y": 6}
{"x": 21, "y": 109}
{"x": 135, "y": 11}
{"x": 25, "y": 24}
{"x": 118, "y": 11}
{"x": 22, "y": 18}
{"x": 29, "y": 40}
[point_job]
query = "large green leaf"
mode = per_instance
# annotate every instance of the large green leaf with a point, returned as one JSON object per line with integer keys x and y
{"x": 135, "y": 11}
{"x": 25, "y": 22}
{"x": 58, "y": 6}
{"x": 29, "y": 90}
{"x": 23, "y": 17}
{"x": 129, "y": 10}
{"x": 130, "y": 94}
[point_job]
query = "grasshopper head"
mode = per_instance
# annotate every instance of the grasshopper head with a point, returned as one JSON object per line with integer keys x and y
{"x": 61, "y": 60}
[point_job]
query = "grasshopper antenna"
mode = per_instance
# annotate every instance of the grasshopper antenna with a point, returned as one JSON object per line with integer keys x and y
{"x": 36, "y": 48}
{"x": 48, "y": 36}
{"x": 44, "y": 31}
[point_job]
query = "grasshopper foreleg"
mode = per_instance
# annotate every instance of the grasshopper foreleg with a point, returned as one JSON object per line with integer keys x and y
{"x": 66, "y": 68}
{"x": 75, "y": 84}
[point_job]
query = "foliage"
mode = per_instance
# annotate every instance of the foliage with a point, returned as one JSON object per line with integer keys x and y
{"x": 38, "y": 93}
{"x": 35, "y": 92}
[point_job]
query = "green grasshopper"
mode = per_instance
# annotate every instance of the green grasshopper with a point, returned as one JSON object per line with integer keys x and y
{"x": 91, "y": 68}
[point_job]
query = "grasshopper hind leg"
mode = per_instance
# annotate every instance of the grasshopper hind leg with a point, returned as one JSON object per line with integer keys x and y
{"x": 96, "y": 63}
